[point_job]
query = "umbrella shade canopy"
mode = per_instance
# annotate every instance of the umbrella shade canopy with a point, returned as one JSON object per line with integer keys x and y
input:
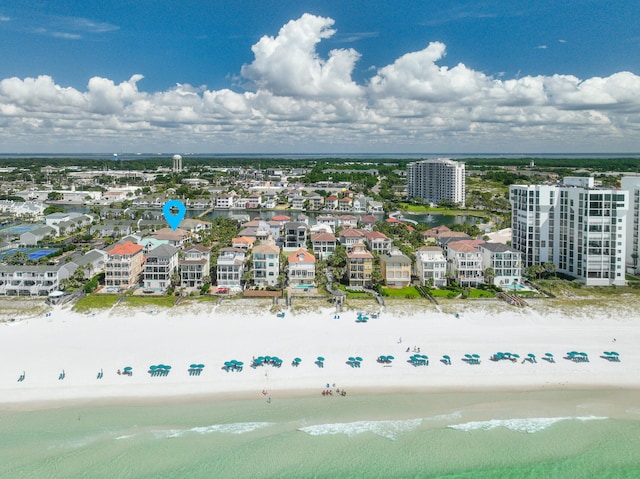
{"x": 351, "y": 358}
{"x": 468, "y": 356}
{"x": 193, "y": 366}
{"x": 358, "y": 358}
{"x": 607, "y": 353}
{"x": 298, "y": 360}
{"x": 531, "y": 355}
{"x": 583, "y": 354}
{"x": 446, "y": 357}
{"x": 517, "y": 356}
{"x": 614, "y": 353}
{"x": 200, "y": 366}
{"x": 239, "y": 363}
{"x": 128, "y": 368}
{"x": 320, "y": 358}
{"x": 153, "y": 368}
{"x": 549, "y": 355}
{"x": 390, "y": 358}
{"x": 475, "y": 356}
{"x": 166, "y": 367}
{"x": 227, "y": 363}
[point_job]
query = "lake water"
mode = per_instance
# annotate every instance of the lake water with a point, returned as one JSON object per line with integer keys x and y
{"x": 546, "y": 434}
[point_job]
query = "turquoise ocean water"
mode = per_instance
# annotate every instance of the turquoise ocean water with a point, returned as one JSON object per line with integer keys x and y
{"x": 547, "y": 434}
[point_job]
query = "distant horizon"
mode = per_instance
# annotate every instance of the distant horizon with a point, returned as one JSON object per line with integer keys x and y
{"x": 123, "y": 156}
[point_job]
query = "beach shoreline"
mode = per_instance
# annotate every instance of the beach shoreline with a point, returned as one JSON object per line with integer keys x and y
{"x": 80, "y": 345}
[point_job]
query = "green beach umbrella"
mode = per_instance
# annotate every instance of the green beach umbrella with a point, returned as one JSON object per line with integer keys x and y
{"x": 390, "y": 358}
{"x": 153, "y": 368}
{"x": 200, "y": 366}
{"x": 531, "y": 355}
{"x": 193, "y": 366}
{"x": 549, "y": 355}
{"x": 128, "y": 368}
{"x": 446, "y": 357}
{"x": 297, "y": 360}
{"x": 517, "y": 356}
{"x": 351, "y": 358}
{"x": 614, "y": 353}
{"x": 358, "y": 358}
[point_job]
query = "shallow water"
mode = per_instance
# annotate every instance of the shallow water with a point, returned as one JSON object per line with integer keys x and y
{"x": 530, "y": 434}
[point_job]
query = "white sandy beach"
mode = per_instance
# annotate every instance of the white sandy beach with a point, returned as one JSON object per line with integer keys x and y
{"x": 83, "y": 344}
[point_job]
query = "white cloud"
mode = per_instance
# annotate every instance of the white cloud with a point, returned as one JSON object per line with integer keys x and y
{"x": 541, "y": 47}
{"x": 289, "y": 64}
{"x": 300, "y": 101}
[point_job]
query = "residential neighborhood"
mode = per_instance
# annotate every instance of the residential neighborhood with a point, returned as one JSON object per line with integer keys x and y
{"x": 272, "y": 230}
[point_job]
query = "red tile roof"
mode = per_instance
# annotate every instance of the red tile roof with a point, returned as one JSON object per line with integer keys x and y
{"x": 126, "y": 248}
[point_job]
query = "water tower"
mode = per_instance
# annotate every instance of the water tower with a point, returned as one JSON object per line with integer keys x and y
{"x": 177, "y": 163}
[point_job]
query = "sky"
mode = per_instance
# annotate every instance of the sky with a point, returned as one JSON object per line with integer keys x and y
{"x": 338, "y": 76}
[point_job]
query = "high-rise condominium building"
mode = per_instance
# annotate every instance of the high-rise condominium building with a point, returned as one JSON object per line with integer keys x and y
{"x": 578, "y": 228}
{"x": 436, "y": 180}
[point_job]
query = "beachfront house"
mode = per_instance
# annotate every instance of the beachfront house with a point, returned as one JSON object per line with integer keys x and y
{"x": 359, "y": 266}
{"x": 161, "y": 263}
{"x": 323, "y": 244}
{"x": 302, "y": 269}
{"x": 347, "y": 221}
{"x": 465, "y": 263}
{"x": 38, "y": 280}
{"x": 504, "y": 263}
{"x": 230, "y": 269}
{"x": 395, "y": 269}
{"x": 195, "y": 266}
{"x": 124, "y": 266}
{"x": 266, "y": 265}
{"x": 431, "y": 266}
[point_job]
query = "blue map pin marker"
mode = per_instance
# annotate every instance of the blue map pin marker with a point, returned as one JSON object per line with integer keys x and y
{"x": 174, "y": 219}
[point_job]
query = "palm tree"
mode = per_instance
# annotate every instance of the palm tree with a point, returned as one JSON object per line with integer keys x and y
{"x": 489, "y": 275}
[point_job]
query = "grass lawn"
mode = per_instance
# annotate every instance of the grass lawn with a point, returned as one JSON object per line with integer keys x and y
{"x": 160, "y": 301}
{"x": 409, "y": 292}
{"x": 443, "y": 293}
{"x": 95, "y": 301}
{"x": 481, "y": 293}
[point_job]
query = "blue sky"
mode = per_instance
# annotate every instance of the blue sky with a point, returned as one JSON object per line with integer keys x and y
{"x": 333, "y": 76}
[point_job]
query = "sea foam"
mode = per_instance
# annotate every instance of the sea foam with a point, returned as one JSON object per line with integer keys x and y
{"x": 233, "y": 428}
{"x": 526, "y": 425}
{"x": 386, "y": 429}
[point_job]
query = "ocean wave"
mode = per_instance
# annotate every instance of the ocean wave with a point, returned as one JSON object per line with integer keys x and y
{"x": 527, "y": 425}
{"x": 386, "y": 429}
{"x": 233, "y": 428}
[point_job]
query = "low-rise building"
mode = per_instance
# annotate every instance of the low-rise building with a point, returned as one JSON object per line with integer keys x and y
{"x": 160, "y": 264}
{"x": 504, "y": 262}
{"x": 38, "y": 280}
{"x": 302, "y": 269}
{"x": 431, "y": 266}
{"x": 359, "y": 266}
{"x": 395, "y": 269}
{"x": 34, "y": 236}
{"x": 230, "y": 269}
{"x": 195, "y": 266}
{"x": 378, "y": 242}
{"x": 124, "y": 265}
{"x": 266, "y": 265}
{"x": 465, "y": 263}
{"x": 295, "y": 234}
{"x": 324, "y": 244}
